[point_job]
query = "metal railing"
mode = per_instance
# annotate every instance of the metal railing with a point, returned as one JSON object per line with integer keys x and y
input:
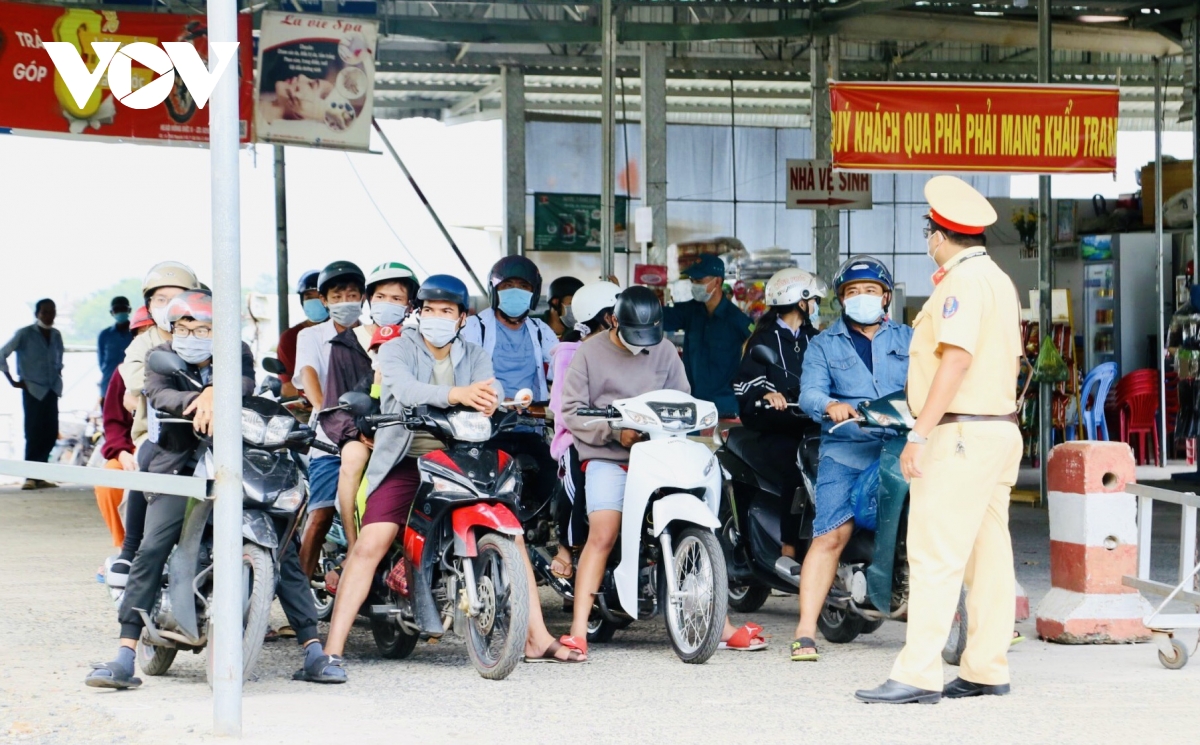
{"x": 1185, "y": 589}
{"x": 154, "y": 483}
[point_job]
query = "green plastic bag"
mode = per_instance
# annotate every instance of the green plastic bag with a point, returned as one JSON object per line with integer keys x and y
{"x": 1050, "y": 367}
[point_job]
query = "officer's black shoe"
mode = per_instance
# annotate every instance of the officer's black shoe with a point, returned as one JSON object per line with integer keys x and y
{"x": 959, "y": 688}
{"x": 893, "y": 692}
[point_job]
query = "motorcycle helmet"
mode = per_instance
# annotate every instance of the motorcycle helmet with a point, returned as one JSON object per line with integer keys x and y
{"x": 308, "y": 282}
{"x": 515, "y": 267}
{"x": 639, "y": 317}
{"x": 445, "y": 287}
{"x": 563, "y": 288}
{"x": 592, "y": 300}
{"x": 340, "y": 271}
{"x": 862, "y": 268}
{"x": 393, "y": 271}
{"x": 169, "y": 274}
{"x": 792, "y": 286}
{"x": 193, "y": 304}
{"x": 140, "y": 319}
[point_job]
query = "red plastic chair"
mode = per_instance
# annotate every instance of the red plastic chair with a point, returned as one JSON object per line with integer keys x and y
{"x": 1138, "y": 404}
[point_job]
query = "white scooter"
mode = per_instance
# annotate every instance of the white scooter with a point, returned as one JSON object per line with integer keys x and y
{"x": 669, "y": 559}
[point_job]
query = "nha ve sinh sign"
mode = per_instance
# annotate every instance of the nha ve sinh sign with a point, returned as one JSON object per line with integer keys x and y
{"x": 814, "y": 185}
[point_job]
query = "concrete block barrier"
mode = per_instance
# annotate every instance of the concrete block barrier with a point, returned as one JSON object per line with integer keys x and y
{"x": 1093, "y": 543}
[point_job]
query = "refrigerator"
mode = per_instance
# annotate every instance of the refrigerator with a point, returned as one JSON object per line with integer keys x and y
{"x": 1120, "y": 302}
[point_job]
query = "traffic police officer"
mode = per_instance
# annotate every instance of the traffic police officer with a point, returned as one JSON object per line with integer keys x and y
{"x": 962, "y": 458}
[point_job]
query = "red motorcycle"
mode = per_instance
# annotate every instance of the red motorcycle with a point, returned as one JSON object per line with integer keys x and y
{"x": 459, "y": 566}
{"x": 180, "y": 105}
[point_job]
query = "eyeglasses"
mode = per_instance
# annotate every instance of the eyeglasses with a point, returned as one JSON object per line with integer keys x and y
{"x": 929, "y": 230}
{"x": 203, "y": 332}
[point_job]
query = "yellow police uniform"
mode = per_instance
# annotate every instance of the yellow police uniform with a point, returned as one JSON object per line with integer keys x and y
{"x": 958, "y": 515}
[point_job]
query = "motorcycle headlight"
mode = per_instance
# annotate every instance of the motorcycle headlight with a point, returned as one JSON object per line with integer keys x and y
{"x": 278, "y": 430}
{"x": 290, "y": 500}
{"x": 254, "y": 427}
{"x": 446, "y": 486}
{"x": 709, "y": 420}
{"x": 641, "y": 419}
{"x": 470, "y": 426}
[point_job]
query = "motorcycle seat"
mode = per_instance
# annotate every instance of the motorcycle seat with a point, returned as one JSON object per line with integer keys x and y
{"x": 744, "y": 443}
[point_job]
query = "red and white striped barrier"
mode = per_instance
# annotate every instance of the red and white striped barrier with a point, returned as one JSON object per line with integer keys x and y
{"x": 1093, "y": 544}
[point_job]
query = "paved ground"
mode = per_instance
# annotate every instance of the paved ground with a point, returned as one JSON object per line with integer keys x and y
{"x": 54, "y": 619}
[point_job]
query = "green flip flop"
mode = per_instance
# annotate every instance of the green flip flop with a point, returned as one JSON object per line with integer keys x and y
{"x": 804, "y": 643}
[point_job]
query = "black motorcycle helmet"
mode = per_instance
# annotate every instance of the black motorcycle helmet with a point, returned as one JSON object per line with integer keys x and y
{"x": 341, "y": 272}
{"x": 515, "y": 267}
{"x": 561, "y": 289}
{"x": 639, "y": 317}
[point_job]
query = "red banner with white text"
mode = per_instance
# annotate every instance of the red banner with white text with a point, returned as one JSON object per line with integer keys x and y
{"x": 34, "y": 100}
{"x": 993, "y": 128}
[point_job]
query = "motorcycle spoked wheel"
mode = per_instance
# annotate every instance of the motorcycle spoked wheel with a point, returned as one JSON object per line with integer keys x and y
{"x": 256, "y": 609}
{"x": 956, "y": 643}
{"x": 496, "y": 636}
{"x": 153, "y": 660}
{"x": 696, "y": 616}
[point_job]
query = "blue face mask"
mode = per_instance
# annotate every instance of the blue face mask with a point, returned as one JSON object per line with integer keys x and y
{"x": 865, "y": 309}
{"x": 315, "y": 310}
{"x": 514, "y": 302}
{"x": 388, "y": 314}
{"x": 121, "y": 317}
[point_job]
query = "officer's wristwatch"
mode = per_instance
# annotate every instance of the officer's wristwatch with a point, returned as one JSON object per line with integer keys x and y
{"x": 916, "y": 438}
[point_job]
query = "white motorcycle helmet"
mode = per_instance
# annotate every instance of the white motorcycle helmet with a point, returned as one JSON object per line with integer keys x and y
{"x": 169, "y": 274}
{"x": 792, "y": 286}
{"x": 592, "y": 299}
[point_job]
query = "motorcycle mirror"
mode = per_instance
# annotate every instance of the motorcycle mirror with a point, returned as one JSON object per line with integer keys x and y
{"x": 273, "y": 366}
{"x": 764, "y": 355}
{"x": 523, "y": 398}
{"x": 274, "y": 385}
{"x": 359, "y": 404}
{"x": 166, "y": 363}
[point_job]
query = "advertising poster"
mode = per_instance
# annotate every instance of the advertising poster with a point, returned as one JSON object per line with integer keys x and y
{"x": 316, "y": 79}
{"x": 989, "y": 128}
{"x": 571, "y": 222}
{"x": 34, "y": 99}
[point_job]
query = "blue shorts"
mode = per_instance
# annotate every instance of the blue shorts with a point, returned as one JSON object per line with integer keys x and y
{"x": 835, "y": 489}
{"x": 604, "y": 486}
{"x": 323, "y": 481}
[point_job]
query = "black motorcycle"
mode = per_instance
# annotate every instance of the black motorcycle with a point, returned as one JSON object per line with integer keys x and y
{"x": 275, "y": 493}
{"x": 457, "y": 565}
{"x": 872, "y": 579}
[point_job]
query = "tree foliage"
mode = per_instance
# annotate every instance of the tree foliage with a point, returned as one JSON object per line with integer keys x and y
{"x": 82, "y": 323}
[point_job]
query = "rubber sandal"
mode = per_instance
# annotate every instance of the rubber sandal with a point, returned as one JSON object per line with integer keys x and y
{"x": 271, "y": 636}
{"x": 746, "y": 639}
{"x": 117, "y": 579}
{"x": 319, "y": 671}
{"x": 575, "y": 643}
{"x": 804, "y": 642}
{"x": 558, "y": 561}
{"x": 287, "y": 632}
{"x": 1017, "y": 638}
{"x": 575, "y": 658}
{"x": 116, "y": 679}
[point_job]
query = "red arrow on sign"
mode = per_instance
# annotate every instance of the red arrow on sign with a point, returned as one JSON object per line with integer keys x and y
{"x": 831, "y": 201}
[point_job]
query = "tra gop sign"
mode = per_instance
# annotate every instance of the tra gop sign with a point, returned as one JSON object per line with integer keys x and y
{"x": 813, "y": 185}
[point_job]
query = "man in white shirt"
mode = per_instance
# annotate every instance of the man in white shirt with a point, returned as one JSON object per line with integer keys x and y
{"x": 39, "y": 349}
{"x": 342, "y": 286}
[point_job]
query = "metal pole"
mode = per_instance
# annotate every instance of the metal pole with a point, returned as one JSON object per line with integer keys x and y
{"x": 1158, "y": 239}
{"x": 608, "y": 233}
{"x": 512, "y": 96}
{"x": 654, "y": 144}
{"x": 282, "y": 288}
{"x": 733, "y": 150}
{"x": 826, "y": 230}
{"x": 445, "y": 233}
{"x": 1195, "y": 143}
{"x": 1045, "y": 390}
{"x": 226, "y": 644}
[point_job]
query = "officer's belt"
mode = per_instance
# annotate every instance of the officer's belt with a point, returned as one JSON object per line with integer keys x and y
{"x": 960, "y": 418}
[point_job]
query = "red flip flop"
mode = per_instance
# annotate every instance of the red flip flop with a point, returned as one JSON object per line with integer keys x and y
{"x": 575, "y": 643}
{"x": 746, "y": 639}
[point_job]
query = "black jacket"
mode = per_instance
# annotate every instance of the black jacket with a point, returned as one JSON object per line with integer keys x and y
{"x": 754, "y": 381}
{"x": 349, "y": 370}
{"x": 177, "y": 442}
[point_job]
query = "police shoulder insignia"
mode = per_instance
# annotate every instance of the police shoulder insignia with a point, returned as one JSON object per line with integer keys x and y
{"x": 950, "y": 308}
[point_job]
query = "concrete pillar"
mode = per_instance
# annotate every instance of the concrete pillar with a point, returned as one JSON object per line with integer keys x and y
{"x": 1093, "y": 544}
{"x": 512, "y": 96}
{"x": 654, "y": 143}
{"x": 825, "y": 226}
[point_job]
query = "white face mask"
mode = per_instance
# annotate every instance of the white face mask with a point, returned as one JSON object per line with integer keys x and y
{"x": 930, "y": 250}
{"x": 388, "y": 314}
{"x": 438, "y": 331}
{"x": 160, "y": 318}
{"x": 701, "y": 293}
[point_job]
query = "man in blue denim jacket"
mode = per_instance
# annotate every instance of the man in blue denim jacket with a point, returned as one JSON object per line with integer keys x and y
{"x": 862, "y": 356}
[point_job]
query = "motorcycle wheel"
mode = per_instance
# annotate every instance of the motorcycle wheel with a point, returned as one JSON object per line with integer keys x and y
{"x": 696, "y": 598}
{"x": 956, "y": 643}
{"x": 840, "y": 626}
{"x": 601, "y": 630}
{"x": 390, "y": 639}
{"x": 748, "y": 598}
{"x": 496, "y": 637}
{"x": 870, "y": 627}
{"x": 154, "y": 660}
{"x": 259, "y": 572}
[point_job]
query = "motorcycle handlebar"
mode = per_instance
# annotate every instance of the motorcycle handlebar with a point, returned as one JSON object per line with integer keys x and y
{"x": 762, "y": 404}
{"x": 608, "y": 412}
{"x": 324, "y": 447}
